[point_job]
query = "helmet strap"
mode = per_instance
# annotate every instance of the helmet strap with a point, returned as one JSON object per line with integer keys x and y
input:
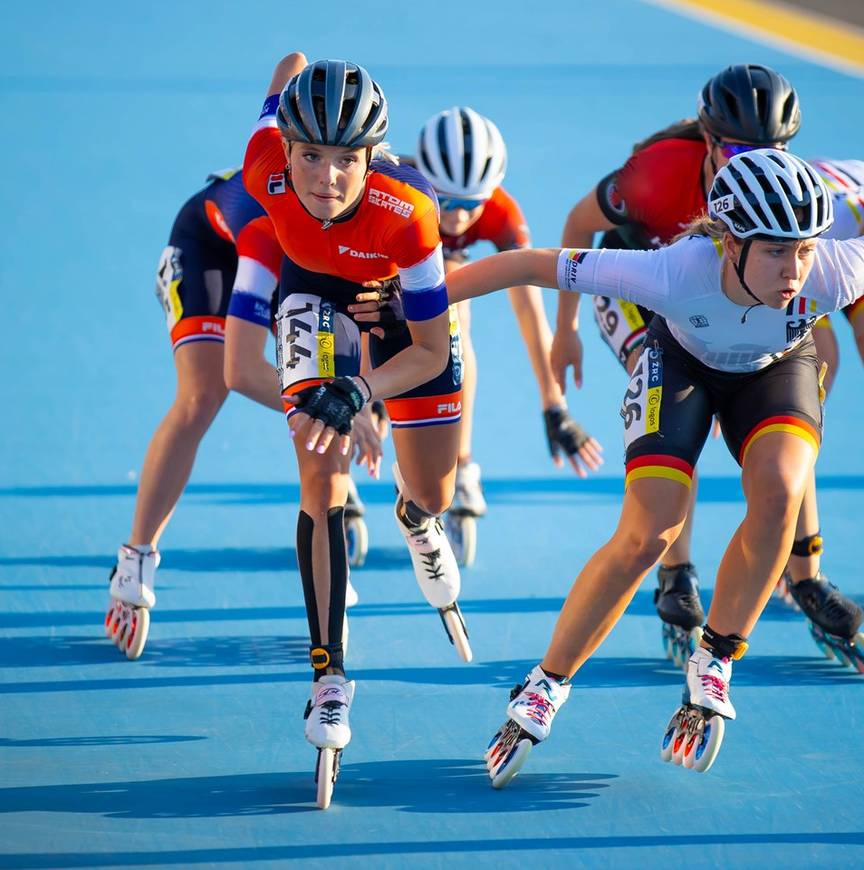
{"x": 739, "y": 271}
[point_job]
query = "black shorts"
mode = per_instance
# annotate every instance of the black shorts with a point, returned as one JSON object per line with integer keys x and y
{"x": 672, "y": 398}
{"x": 317, "y": 339}
{"x": 195, "y": 276}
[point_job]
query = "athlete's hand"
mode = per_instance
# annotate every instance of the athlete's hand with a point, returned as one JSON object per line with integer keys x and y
{"x": 366, "y": 441}
{"x": 566, "y": 351}
{"x": 371, "y": 306}
{"x": 565, "y": 435}
{"x": 328, "y": 410}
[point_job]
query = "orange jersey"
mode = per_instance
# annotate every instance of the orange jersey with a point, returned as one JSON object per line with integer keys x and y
{"x": 501, "y": 223}
{"x": 393, "y": 231}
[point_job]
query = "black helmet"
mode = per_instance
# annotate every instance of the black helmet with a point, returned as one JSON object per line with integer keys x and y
{"x": 333, "y": 102}
{"x": 750, "y": 103}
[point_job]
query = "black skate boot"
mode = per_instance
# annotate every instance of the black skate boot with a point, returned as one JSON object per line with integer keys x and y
{"x": 834, "y": 620}
{"x": 677, "y": 601}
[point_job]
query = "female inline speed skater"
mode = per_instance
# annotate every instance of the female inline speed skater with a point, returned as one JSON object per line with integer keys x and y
{"x": 644, "y": 204}
{"x": 218, "y": 227}
{"x": 726, "y": 340}
{"x": 343, "y": 218}
{"x": 216, "y": 281}
{"x": 464, "y": 157}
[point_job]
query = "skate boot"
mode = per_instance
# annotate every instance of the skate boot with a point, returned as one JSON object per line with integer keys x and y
{"x": 356, "y": 533}
{"x": 127, "y": 621}
{"x": 677, "y": 601}
{"x": 532, "y": 707}
{"x": 468, "y": 504}
{"x": 783, "y": 590}
{"x": 834, "y": 620}
{"x": 436, "y": 571}
{"x": 328, "y": 729}
{"x": 695, "y": 733}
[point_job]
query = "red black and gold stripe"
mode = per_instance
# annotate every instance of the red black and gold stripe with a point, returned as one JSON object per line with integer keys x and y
{"x": 658, "y": 466}
{"x": 789, "y": 425}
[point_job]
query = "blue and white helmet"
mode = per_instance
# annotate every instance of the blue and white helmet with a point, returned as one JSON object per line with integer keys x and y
{"x": 770, "y": 194}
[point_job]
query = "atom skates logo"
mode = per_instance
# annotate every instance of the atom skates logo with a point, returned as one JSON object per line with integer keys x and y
{"x": 390, "y": 202}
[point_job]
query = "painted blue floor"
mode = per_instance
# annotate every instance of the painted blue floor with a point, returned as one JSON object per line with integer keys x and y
{"x": 194, "y": 755}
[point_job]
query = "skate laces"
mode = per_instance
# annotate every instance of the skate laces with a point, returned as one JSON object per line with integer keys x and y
{"x": 714, "y": 687}
{"x": 434, "y": 569}
{"x": 540, "y": 709}
{"x": 331, "y": 713}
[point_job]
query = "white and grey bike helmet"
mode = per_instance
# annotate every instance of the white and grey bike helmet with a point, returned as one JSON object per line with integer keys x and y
{"x": 333, "y": 102}
{"x": 462, "y": 154}
{"x": 770, "y": 194}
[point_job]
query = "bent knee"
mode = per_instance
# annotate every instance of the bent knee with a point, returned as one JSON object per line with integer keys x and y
{"x": 199, "y": 407}
{"x": 641, "y": 549}
{"x": 433, "y": 500}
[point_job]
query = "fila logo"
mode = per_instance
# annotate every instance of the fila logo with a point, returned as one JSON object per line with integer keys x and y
{"x": 449, "y": 408}
{"x": 276, "y": 183}
{"x": 363, "y": 255}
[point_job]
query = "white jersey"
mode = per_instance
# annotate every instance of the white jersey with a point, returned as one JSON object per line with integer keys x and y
{"x": 682, "y": 284}
{"x": 845, "y": 180}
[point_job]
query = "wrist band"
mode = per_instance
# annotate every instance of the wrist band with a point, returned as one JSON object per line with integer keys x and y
{"x": 365, "y": 384}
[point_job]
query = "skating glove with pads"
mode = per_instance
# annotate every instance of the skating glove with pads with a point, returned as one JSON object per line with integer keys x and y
{"x": 334, "y": 403}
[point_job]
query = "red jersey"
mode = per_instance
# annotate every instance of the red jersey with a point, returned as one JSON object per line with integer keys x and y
{"x": 393, "y": 231}
{"x": 661, "y": 188}
{"x": 501, "y": 223}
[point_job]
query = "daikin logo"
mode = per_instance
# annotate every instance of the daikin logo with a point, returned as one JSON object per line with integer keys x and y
{"x": 362, "y": 255}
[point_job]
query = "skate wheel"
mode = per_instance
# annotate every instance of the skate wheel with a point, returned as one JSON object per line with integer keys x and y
{"x": 492, "y": 744}
{"x": 136, "y": 633}
{"x": 507, "y": 753}
{"x": 819, "y": 640}
{"x": 461, "y": 531}
{"x": 356, "y": 540}
{"x": 325, "y": 776}
{"x": 707, "y": 744}
{"x": 667, "y": 744}
{"x": 458, "y": 634}
{"x": 112, "y": 619}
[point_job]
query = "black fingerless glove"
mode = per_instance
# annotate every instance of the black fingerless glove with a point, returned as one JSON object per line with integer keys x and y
{"x": 563, "y": 432}
{"x": 334, "y": 403}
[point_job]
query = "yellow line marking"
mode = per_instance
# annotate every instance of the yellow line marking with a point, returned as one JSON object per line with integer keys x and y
{"x": 817, "y": 37}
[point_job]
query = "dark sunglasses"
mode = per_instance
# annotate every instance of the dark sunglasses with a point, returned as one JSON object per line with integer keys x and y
{"x": 451, "y": 203}
{"x": 730, "y": 149}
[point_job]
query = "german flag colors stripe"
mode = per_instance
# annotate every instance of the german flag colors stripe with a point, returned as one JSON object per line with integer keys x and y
{"x": 789, "y": 425}
{"x": 659, "y": 466}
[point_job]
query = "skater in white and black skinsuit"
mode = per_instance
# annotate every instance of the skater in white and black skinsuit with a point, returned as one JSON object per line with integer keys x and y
{"x": 736, "y": 300}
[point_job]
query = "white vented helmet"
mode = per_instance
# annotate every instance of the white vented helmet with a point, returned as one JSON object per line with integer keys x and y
{"x": 462, "y": 153}
{"x": 756, "y": 194}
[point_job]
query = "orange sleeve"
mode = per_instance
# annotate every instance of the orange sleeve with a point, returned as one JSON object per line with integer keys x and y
{"x": 508, "y": 228}
{"x": 257, "y": 241}
{"x": 264, "y": 164}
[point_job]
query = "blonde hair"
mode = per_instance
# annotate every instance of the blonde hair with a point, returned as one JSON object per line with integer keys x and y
{"x": 382, "y": 152}
{"x": 703, "y": 225}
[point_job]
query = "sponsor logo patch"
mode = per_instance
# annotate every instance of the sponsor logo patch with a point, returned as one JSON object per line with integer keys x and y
{"x": 392, "y": 203}
{"x": 362, "y": 255}
{"x": 276, "y": 184}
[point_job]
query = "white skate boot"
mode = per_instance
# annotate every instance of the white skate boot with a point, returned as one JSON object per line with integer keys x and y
{"x": 695, "y": 732}
{"x": 468, "y": 504}
{"x": 127, "y": 621}
{"x": 532, "y": 708}
{"x": 328, "y": 729}
{"x": 356, "y": 533}
{"x": 436, "y": 571}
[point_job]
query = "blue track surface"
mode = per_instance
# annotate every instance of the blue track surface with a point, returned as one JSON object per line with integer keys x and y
{"x": 194, "y": 756}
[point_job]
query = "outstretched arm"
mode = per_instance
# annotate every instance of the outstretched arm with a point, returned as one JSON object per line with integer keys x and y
{"x": 504, "y": 270}
{"x": 287, "y": 68}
